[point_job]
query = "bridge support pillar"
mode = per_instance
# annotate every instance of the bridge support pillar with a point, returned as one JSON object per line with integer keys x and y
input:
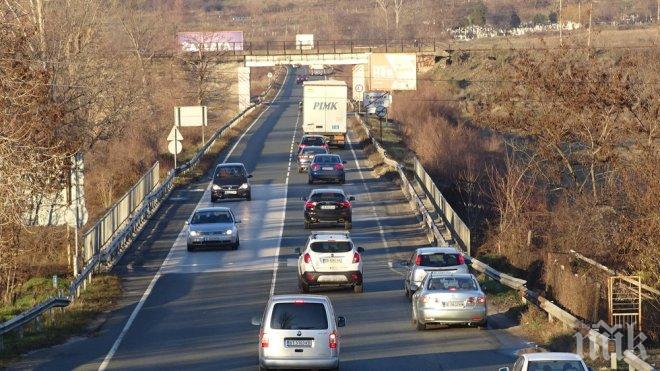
{"x": 243, "y": 88}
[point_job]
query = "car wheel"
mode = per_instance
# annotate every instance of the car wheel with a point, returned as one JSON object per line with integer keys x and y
{"x": 308, "y": 225}
{"x": 304, "y": 288}
{"x": 310, "y": 181}
{"x": 300, "y": 170}
{"x": 249, "y": 196}
{"x": 236, "y": 245}
{"x": 358, "y": 289}
{"x": 408, "y": 296}
{"x": 419, "y": 326}
{"x": 214, "y": 199}
{"x": 348, "y": 225}
{"x": 342, "y": 180}
{"x": 262, "y": 368}
{"x": 190, "y": 248}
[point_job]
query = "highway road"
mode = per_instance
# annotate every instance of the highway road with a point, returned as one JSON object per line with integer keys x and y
{"x": 183, "y": 310}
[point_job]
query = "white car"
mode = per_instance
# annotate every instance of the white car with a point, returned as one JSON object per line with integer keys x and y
{"x": 548, "y": 361}
{"x": 431, "y": 259}
{"x": 330, "y": 259}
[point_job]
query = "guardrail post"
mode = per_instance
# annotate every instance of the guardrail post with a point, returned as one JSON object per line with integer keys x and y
{"x": 434, "y": 45}
{"x": 38, "y": 322}
{"x": 334, "y": 46}
{"x": 351, "y": 46}
{"x": 2, "y": 343}
{"x": 385, "y": 45}
{"x": 284, "y": 47}
{"x": 267, "y": 45}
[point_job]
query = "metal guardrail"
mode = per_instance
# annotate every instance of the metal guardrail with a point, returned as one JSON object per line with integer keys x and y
{"x": 598, "y": 340}
{"x": 110, "y": 253}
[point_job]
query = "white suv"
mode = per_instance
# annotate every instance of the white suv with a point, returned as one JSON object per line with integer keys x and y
{"x": 330, "y": 259}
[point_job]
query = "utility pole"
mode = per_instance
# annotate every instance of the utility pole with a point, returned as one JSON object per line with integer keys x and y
{"x": 591, "y": 10}
{"x": 561, "y": 40}
{"x": 580, "y": 12}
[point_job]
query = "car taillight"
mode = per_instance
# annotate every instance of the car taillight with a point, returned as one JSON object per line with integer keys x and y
{"x": 339, "y": 167}
{"x": 481, "y": 299}
{"x": 418, "y": 260}
{"x": 344, "y": 204}
{"x": 307, "y": 258}
{"x": 461, "y": 259}
{"x": 315, "y": 166}
{"x": 309, "y": 205}
{"x": 425, "y": 299}
{"x": 356, "y": 257}
{"x": 263, "y": 339}
{"x": 332, "y": 343}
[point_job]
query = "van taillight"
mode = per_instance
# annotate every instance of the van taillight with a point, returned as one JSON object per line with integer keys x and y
{"x": 307, "y": 258}
{"x": 461, "y": 259}
{"x": 356, "y": 257}
{"x": 264, "y": 339}
{"x": 333, "y": 341}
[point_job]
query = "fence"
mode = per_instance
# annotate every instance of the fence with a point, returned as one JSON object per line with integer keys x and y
{"x": 115, "y": 218}
{"x": 597, "y": 340}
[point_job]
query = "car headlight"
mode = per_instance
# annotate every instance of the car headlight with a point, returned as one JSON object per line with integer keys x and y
{"x": 216, "y": 187}
{"x": 244, "y": 186}
{"x": 194, "y": 233}
{"x": 229, "y": 231}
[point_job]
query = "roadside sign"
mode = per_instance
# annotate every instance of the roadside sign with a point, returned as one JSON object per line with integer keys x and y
{"x": 174, "y": 135}
{"x": 190, "y": 116}
{"x": 174, "y": 147}
{"x": 359, "y": 88}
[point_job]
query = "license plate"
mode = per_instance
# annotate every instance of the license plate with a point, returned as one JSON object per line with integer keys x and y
{"x": 328, "y": 207}
{"x": 327, "y": 168}
{"x": 214, "y": 238}
{"x": 332, "y": 279}
{"x": 230, "y": 192}
{"x": 454, "y": 303}
{"x": 331, "y": 260}
{"x": 298, "y": 343}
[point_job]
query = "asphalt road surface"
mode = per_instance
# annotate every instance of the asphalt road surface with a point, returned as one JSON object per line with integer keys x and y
{"x": 192, "y": 311}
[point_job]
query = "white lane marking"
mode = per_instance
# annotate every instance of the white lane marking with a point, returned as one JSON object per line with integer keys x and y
{"x": 373, "y": 207}
{"x": 286, "y": 192}
{"x": 147, "y": 292}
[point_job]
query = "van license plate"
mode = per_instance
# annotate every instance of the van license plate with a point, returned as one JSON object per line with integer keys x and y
{"x": 298, "y": 343}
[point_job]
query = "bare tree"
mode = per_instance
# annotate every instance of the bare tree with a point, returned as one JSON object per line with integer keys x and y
{"x": 384, "y": 6}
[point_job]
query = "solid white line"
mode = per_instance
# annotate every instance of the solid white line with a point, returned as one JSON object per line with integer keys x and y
{"x": 286, "y": 192}
{"x": 147, "y": 292}
{"x": 381, "y": 231}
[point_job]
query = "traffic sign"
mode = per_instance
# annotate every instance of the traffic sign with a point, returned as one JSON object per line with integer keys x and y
{"x": 359, "y": 88}
{"x": 174, "y": 134}
{"x": 270, "y": 75}
{"x": 174, "y": 147}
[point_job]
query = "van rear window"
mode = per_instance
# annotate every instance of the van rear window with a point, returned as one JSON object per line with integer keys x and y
{"x": 299, "y": 316}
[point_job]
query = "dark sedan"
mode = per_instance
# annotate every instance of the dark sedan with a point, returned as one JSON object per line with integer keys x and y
{"x": 231, "y": 181}
{"x": 328, "y": 205}
{"x": 327, "y": 168}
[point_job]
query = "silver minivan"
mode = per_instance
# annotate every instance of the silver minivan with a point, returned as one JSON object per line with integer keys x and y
{"x": 299, "y": 331}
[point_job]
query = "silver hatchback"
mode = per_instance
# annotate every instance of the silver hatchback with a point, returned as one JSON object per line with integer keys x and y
{"x": 448, "y": 298}
{"x": 299, "y": 331}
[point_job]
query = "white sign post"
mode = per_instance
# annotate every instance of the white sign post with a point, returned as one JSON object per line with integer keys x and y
{"x": 174, "y": 145}
{"x": 191, "y": 116}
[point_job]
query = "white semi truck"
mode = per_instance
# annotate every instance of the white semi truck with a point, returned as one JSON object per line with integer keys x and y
{"x": 324, "y": 110}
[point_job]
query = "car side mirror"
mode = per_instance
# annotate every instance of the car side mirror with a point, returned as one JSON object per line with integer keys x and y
{"x": 250, "y": 176}
{"x": 360, "y": 249}
{"x": 504, "y": 369}
{"x": 590, "y": 369}
{"x": 297, "y": 250}
{"x": 351, "y": 198}
{"x": 237, "y": 221}
{"x": 256, "y": 321}
{"x": 186, "y": 222}
{"x": 344, "y": 162}
{"x": 341, "y": 321}
{"x": 414, "y": 287}
{"x": 303, "y": 198}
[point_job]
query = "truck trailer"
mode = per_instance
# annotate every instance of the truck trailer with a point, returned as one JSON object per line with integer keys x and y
{"x": 324, "y": 110}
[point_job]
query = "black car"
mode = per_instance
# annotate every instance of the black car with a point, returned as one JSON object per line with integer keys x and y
{"x": 328, "y": 205}
{"x": 328, "y": 168}
{"x": 231, "y": 181}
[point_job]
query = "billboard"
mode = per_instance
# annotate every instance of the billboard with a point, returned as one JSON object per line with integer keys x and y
{"x": 392, "y": 71}
{"x": 211, "y": 41}
{"x": 305, "y": 41}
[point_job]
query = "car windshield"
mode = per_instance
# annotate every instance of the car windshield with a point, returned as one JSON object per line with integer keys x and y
{"x": 327, "y": 197}
{"x": 438, "y": 260}
{"x": 331, "y": 246}
{"x": 205, "y": 217}
{"x": 299, "y": 316}
{"x": 329, "y": 159}
{"x": 313, "y": 141}
{"x": 452, "y": 284}
{"x": 314, "y": 150}
{"x": 229, "y": 171}
{"x": 555, "y": 366}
